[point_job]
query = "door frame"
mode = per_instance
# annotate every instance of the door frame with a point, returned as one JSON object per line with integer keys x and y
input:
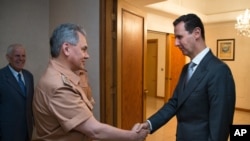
{"x": 108, "y": 10}
{"x": 156, "y": 78}
{"x": 128, "y": 122}
{"x": 109, "y": 73}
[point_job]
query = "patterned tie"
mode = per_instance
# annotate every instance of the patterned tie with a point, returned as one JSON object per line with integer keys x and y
{"x": 190, "y": 71}
{"x": 21, "y": 84}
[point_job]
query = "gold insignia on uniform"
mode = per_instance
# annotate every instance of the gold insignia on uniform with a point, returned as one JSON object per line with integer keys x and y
{"x": 66, "y": 80}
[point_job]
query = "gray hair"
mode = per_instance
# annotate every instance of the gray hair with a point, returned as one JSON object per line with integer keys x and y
{"x": 11, "y": 47}
{"x": 64, "y": 33}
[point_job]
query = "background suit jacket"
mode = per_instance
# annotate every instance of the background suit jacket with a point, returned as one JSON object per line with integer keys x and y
{"x": 16, "y": 120}
{"x": 205, "y": 106}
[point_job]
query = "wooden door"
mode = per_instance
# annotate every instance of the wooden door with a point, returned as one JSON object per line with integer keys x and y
{"x": 174, "y": 62}
{"x": 108, "y": 61}
{"x": 151, "y": 68}
{"x": 130, "y": 69}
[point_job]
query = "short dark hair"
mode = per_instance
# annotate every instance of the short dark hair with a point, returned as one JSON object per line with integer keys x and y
{"x": 191, "y": 21}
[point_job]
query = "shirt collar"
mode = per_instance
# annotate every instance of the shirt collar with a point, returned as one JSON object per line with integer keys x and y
{"x": 197, "y": 59}
{"x": 15, "y": 73}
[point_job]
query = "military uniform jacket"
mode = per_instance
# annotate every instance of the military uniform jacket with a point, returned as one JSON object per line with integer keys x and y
{"x": 60, "y": 105}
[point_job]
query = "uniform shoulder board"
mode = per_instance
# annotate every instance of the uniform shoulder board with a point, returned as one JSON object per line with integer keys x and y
{"x": 65, "y": 80}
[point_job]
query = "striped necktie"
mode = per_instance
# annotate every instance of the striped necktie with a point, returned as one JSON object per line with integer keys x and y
{"x": 190, "y": 71}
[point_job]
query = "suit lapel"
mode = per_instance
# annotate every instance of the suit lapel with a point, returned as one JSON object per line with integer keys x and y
{"x": 195, "y": 80}
{"x": 11, "y": 80}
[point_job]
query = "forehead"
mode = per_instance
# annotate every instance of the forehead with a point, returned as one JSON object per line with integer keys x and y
{"x": 180, "y": 27}
{"x": 18, "y": 50}
{"x": 180, "y": 31}
{"x": 82, "y": 40}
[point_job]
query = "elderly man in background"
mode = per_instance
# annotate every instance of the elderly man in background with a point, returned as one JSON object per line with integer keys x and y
{"x": 16, "y": 92}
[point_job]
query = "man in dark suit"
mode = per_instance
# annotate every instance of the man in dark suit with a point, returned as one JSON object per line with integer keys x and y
{"x": 16, "y": 122}
{"x": 204, "y": 105}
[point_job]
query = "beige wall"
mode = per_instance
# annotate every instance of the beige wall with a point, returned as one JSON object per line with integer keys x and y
{"x": 84, "y": 13}
{"x": 157, "y": 22}
{"x": 240, "y": 66}
{"x": 161, "y": 61}
{"x": 26, "y": 22}
{"x": 30, "y": 22}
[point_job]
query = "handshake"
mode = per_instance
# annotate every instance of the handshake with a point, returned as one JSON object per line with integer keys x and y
{"x": 141, "y": 130}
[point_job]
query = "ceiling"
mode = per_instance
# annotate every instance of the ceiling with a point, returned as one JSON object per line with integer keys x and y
{"x": 208, "y": 10}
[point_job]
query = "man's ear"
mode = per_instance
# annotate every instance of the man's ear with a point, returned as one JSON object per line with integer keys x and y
{"x": 197, "y": 32}
{"x": 66, "y": 49}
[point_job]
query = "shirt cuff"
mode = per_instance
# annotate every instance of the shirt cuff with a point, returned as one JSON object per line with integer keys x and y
{"x": 150, "y": 125}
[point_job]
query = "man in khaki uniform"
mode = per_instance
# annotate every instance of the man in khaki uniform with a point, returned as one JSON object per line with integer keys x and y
{"x": 62, "y": 111}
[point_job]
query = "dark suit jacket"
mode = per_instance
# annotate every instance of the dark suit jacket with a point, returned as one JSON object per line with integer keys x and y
{"x": 16, "y": 122}
{"x": 205, "y": 106}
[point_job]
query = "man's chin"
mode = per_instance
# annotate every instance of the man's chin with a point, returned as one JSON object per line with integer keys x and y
{"x": 79, "y": 68}
{"x": 18, "y": 68}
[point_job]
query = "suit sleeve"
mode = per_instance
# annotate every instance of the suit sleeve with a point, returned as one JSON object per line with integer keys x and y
{"x": 163, "y": 115}
{"x": 221, "y": 91}
{"x": 169, "y": 109}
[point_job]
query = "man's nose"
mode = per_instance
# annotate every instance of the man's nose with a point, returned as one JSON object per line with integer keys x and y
{"x": 177, "y": 43}
{"x": 87, "y": 55}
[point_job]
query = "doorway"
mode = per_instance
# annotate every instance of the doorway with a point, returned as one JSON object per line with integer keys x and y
{"x": 123, "y": 52}
{"x": 175, "y": 61}
{"x": 151, "y": 67}
{"x": 123, "y": 37}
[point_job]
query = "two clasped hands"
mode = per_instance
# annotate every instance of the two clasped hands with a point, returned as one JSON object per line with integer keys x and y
{"x": 142, "y": 130}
